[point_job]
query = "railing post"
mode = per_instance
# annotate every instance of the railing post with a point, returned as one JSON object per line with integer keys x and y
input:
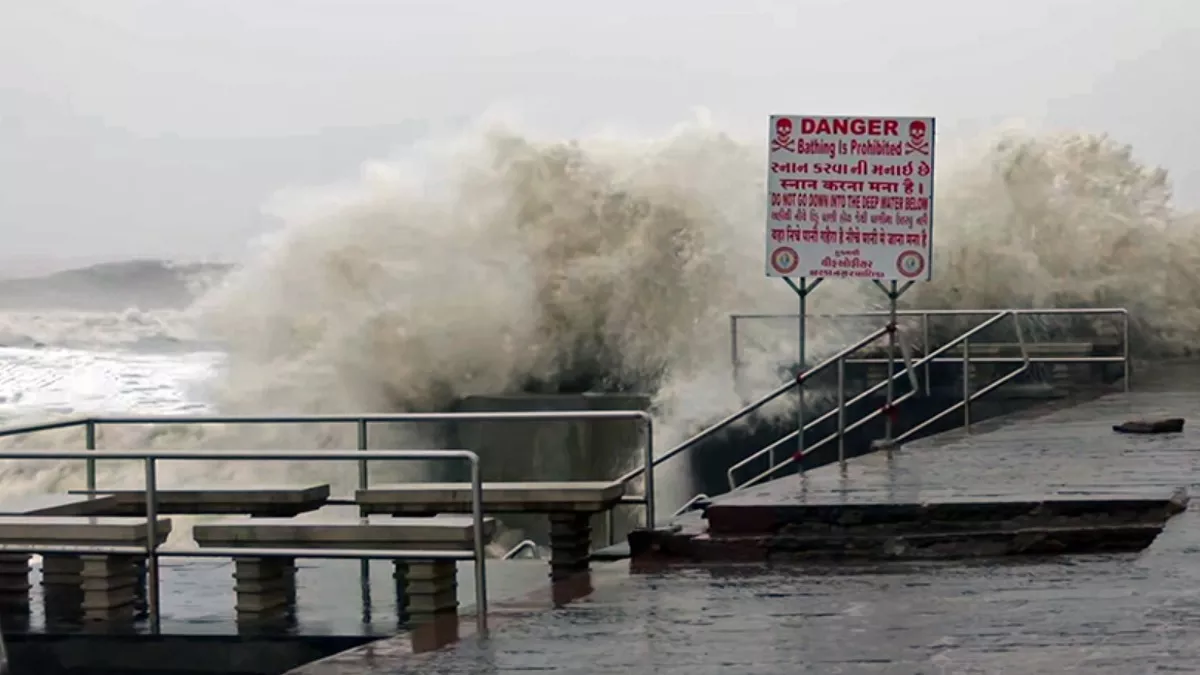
{"x": 152, "y": 580}
{"x": 364, "y": 479}
{"x": 363, "y": 476}
{"x": 481, "y": 607}
{"x": 926, "y": 349}
{"x": 1125, "y": 349}
{"x": 733, "y": 346}
{"x": 966, "y": 375}
{"x": 648, "y": 476}
{"x": 841, "y": 412}
{"x": 89, "y": 434}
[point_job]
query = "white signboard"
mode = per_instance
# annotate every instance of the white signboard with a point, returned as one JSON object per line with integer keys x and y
{"x": 850, "y": 197}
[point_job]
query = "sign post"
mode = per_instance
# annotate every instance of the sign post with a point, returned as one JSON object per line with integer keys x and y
{"x": 850, "y": 198}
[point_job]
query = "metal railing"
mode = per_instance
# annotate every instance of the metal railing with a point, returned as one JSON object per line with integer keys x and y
{"x": 153, "y": 551}
{"x": 361, "y": 422}
{"x": 925, "y": 315}
{"x": 840, "y": 407}
{"x": 526, "y": 545}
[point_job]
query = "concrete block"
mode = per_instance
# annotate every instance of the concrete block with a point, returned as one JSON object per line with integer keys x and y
{"x": 426, "y": 498}
{"x": 441, "y": 533}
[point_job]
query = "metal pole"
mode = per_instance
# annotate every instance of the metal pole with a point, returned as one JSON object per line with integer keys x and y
{"x": 481, "y": 607}
{"x": 89, "y": 434}
{"x": 1128, "y": 360}
{"x": 733, "y": 345}
{"x": 893, "y": 297}
{"x": 363, "y": 476}
{"x": 364, "y": 566}
{"x": 802, "y": 290}
{"x": 966, "y": 375}
{"x": 841, "y": 412}
{"x": 648, "y": 476}
{"x": 152, "y": 593}
{"x": 926, "y": 347}
{"x": 803, "y": 325}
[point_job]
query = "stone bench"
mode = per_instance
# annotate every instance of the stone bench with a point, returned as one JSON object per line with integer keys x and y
{"x": 271, "y": 501}
{"x": 55, "y": 505}
{"x": 267, "y": 586}
{"x": 99, "y": 586}
{"x": 568, "y": 505}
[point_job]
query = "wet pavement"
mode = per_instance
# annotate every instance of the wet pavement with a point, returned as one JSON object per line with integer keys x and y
{"x": 1110, "y": 614}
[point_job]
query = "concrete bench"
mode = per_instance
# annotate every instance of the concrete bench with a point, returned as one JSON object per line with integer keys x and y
{"x": 261, "y": 501}
{"x": 99, "y": 586}
{"x": 569, "y": 507}
{"x": 266, "y": 586}
{"x": 55, "y": 505}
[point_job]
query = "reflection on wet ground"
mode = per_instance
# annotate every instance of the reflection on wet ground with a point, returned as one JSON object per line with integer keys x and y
{"x": 1110, "y": 614}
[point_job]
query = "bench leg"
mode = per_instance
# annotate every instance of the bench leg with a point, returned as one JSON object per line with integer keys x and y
{"x": 14, "y": 584}
{"x": 109, "y": 587}
{"x": 62, "y": 586}
{"x": 400, "y": 574}
{"x": 570, "y": 544}
{"x": 265, "y": 587}
{"x": 432, "y": 590}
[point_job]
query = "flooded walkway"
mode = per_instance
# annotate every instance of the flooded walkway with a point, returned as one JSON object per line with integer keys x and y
{"x": 1117, "y": 614}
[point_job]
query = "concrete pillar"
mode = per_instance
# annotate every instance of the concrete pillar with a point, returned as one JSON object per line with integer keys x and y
{"x": 400, "y": 574}
{"x": 109, "y": 587}
{"x": 265, "y": 587}
{"x": 432, "y": 589}
{"x": 570, "y": 544}
{"x": 14, "y": 584}
{"x": 62, "y": 586}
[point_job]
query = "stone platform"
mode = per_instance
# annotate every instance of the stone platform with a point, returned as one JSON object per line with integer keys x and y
{"x": 1110, "y": 614}
{"x": 1062, "y": 482}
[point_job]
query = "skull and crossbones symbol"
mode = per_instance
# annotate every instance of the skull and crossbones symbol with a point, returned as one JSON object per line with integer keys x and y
{"x": 783, "y": 136}
{"x": 917, "y": 141}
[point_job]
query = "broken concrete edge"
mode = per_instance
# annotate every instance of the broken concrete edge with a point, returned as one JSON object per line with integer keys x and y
{"x": 764, "y": 519}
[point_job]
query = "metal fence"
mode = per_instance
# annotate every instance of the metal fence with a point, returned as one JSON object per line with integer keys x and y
{"x": 926, "y": 315}
{"x": 362, "y": 422}
{"x": 153, "y": 551}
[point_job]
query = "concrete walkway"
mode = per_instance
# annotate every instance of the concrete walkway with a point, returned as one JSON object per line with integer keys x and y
{"x": 1110, "y": 614}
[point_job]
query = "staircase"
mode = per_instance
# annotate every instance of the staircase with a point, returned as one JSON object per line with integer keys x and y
{"x": 935, "y": 384}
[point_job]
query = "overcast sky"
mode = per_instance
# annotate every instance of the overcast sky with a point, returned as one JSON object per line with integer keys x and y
{"x": 159, "y": 127}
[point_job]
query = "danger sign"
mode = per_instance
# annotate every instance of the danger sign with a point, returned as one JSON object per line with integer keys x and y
{"x": 850, "y": 197}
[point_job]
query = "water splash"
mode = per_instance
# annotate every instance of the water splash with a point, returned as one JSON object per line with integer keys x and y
{"x": 499, "y": 262}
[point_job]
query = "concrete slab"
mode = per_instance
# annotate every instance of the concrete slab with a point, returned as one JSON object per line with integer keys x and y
{"x": 442, "y": 532}
{"x": 549, "y": 497}
{"x": 55, "y": 505}
{"x": 83, "y": 530}
{"x": 267, "y": 500}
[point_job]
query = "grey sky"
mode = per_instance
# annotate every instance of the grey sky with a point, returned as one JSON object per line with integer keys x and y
{"x": 158, "y": 127}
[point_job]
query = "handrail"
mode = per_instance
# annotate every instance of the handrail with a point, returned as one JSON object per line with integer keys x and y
{"x": 689, "y": 504}
{"x": 974, "y": 311}
{"x": 362, "y": 422}
{"x": 526, "y": 545}
{"x": 926, "y": 314}
{"x": 153, "y": 551}
{"x": 733, "y": 485}
{"x": 746, "y": 410}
